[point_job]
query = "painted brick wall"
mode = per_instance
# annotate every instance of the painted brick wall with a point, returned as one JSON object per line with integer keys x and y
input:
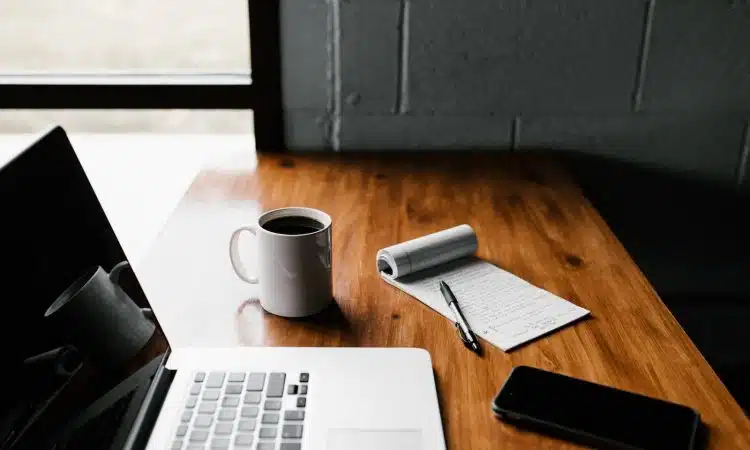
{"x": 663, "y": 83}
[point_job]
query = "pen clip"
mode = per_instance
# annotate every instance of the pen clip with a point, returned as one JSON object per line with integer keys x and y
{"x": 461, "y": 335}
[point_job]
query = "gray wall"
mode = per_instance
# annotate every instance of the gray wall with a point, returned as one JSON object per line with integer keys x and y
{"x": 664, "y": 83}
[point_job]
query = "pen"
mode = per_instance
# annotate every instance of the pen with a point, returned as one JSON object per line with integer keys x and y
{"x": 464, "y": 331}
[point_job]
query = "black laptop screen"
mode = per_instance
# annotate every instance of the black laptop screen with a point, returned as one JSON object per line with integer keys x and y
{"x": 53, "y": 229}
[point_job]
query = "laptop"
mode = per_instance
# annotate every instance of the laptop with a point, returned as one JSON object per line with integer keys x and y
{"x": 53, "y": 227}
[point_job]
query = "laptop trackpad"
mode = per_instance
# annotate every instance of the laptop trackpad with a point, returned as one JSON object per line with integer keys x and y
{"x": 347, "y": 439}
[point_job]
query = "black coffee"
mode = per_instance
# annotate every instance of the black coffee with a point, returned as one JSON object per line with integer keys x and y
{"x": 293, "y": 225}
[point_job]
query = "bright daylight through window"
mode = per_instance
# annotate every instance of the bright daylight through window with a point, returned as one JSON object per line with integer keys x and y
{"x": 56, "y": 38}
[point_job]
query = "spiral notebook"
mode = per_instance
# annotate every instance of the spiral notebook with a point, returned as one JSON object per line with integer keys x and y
{"x": 500, "y": 307}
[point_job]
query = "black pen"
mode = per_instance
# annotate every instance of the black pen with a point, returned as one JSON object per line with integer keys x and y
{"x": 464, "y": 331}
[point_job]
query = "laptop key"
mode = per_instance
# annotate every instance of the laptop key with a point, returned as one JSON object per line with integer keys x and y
{"x": 267, "y": 432}
{"x": 181, "y": 430}
{"x": 191, "y": 401}
{"x": 199, "y": 377}
{"x": 252, "y": 398}
{"x": 270, "y": 418}
{"x": 227, "y": 414}
{"x": 203, "y": 421}
{"x": 255, "y": 381}
{"x": 291, "y": 389}
{"x": 303, "y": 389}
{"x": 220, "y": 444}
{"x": 266, "y": 446}
{"x": 196, "y": 447}
{"x": 199, "y": 436}
{"x": 195, "y": 389}
{"x": 301, "y": 402}
{"x": 294, "y": 415}
{"x": 186, "y": 416}
{"x": 276, "y": 384}
{"x": 211, "y": 394}
{"x": 290, "y": 446}
{"x": 246, "y": 425}
{"x": 230, "y": 401}
{"x": 233, "y": 388}
{"x": 176, "y": 445}
{"x": 223, "y": 428}
{"x": 272, "y": 405}
{"x": 250, "y": 412}
{"x": 215, "y": 380}
{"x": 304, "y": 377}
{"x": 237, "y": 377}
{"x": 243, "y": 440}
{"x": 292, "y": 431}
{"x": 207, "y": 408}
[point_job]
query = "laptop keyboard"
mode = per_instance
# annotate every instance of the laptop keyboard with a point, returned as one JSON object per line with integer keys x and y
{"x": 243, "y": 410}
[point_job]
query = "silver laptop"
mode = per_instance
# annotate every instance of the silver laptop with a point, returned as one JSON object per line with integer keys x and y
{"x": 186, "y": 398}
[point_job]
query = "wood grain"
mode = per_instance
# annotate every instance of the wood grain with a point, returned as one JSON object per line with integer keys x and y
{"x": 532, "y": 220}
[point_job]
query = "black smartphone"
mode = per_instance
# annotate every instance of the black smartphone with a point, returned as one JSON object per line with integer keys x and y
{"x": 593, "y": 414}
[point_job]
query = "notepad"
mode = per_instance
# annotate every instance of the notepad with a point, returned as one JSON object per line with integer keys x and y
{"x": 500, "y": 307}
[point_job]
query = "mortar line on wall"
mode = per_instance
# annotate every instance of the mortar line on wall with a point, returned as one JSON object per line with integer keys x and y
{"x": 744, "y": 156}
{"x": 328, "y": 123}
{"x": 515, "y": 133}
{"x": 335, "y": 58}
{"x": 643, "y": 60}
{"x": 402, "y": 83}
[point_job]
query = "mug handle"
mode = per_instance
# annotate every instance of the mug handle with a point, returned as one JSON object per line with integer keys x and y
{"x": 234, "y": 255}
{"x": 114, "y": 274}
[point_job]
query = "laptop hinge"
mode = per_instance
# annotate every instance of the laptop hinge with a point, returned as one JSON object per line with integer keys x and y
{"x": 146, "y": 418}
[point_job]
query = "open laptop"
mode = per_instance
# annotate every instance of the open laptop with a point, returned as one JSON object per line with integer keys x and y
{"x": 53, "y": 227}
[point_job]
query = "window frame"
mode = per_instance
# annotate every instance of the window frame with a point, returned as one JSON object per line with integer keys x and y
{"x": 259, "y": 91}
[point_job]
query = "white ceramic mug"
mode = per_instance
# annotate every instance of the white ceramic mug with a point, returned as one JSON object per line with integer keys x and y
{"x": 294, "y": 269}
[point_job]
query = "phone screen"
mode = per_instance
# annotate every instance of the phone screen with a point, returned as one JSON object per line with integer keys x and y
{"x": 592, "y": 409}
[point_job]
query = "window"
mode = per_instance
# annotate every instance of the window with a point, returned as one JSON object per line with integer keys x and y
{"x": 169, "y": 65}
{"x": 193, "y": 36}
{"x": 169, "y": 121}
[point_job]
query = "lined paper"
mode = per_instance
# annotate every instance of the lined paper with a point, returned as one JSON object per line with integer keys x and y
{"x": 500, "y": 307}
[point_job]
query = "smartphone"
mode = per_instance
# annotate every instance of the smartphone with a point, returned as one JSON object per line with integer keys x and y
{"x": 593, "y": 414}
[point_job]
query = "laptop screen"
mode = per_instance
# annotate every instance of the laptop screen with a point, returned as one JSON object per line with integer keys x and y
{"x": 54, "y": 236}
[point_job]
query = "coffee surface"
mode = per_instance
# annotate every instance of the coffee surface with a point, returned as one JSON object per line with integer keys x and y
{"x": 293, "y": 225}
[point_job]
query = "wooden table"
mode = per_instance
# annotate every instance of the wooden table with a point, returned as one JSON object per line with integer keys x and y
{"x": 532, "y": 220}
